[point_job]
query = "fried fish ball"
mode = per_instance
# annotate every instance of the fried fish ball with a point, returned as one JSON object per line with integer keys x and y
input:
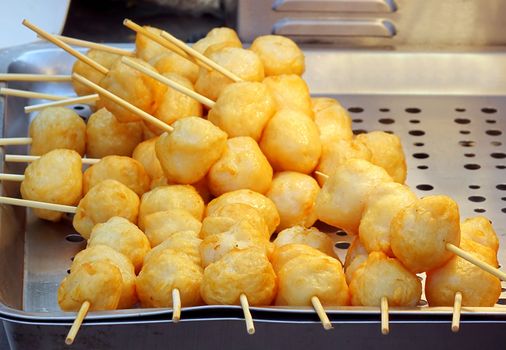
{"x": 333, "y": 122}
{"x": 200, "y": 186}
{"x": 241, "y": 235}
{"x": 55, "y": 177}
{"x": 243, "y": 63}
{"x": 419, "y": 233}
{"x": 134, "y": 87}
{"x": 480, "y": 230}
{"x": 124, "y": 237}
{"x": 264, "y": 205}
{"x": 145, "y": 154}
{"x": 291, "y": 141}
{"x": 106, "y": 59}
{"x": 98, "y": 282}
{"x": 167, "y": 271}
{"x": 244, "y": 271}
{"x": 106, "y": 136}
{"x": 309, "y": 236}
{"x": 104, "y": 253}
{"x": 283, "y": 254}
{"x": 294, "y": 194}
{"x": 171, "y": 62}
{"x": 382, "y": 205}
{"x": 171, "y": 197}
{"x": 57, "y": 127}
{"x": 126, "y": 170}
{"x": 182, "y": 241}
{"x": 216, "y": 36}
{"x": 380, "y": 277}
{"x": 243, "y": 109}
{"x": 236, "y": 212}
{"x": 336, "y": 153}
{"x": 355, "y": 257}
{"x": 280, "y": 55}
{"x": 242, "y": 165}
{"x": 106, "y": 199}
{"x": 320, "y": 103}
{"x": 189, "y": 151}
{"x": 306, "y": 276}
{"x": 478, "y": 287}
{"x": 175, "y": 105}
{"x": 341, "y": 200}
{"x": 146, "y": 48}
{"x": 386, "y": 152}
{"x": 161, "y": 225}
{"x": 290, "y": 92}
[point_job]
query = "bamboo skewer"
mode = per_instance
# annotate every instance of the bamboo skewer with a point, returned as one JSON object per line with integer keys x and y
{"x": 66, "y": 47}
{"x": 250, "y": 327}
{"x": 12, "y": 141}
{"x": 475, "y": 261}
{"x": 317, "y": 305}
{"x": 385, "y": 328}
{"x": 35, "y": 77}
{"x": 68, "y": 101}
{"x": 176, "y": 86}
{"x": 30, "y": 94}
{"x": 83, "y": 311}
{"x": 14, "y": 158}
{"x": 200, "y": 57}
{"x": 457, "y": 306}
{"x": 95, "y": 46}
{"x": 146, "y": 116}
{"x": 176, "y": 305}
{"x": 38, "y": 205}
{"x": 11, "y": 177}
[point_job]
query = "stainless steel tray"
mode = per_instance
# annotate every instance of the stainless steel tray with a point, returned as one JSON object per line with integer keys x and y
{"x": 449, "y": 109}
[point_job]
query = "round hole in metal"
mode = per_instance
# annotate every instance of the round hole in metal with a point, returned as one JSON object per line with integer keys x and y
{"x": 459, "y": 109}
{"x": 496, "y": 143}
{"x": 413, "y": 110}
{"x": 356, "y": 109}
{"x": 498, "y": 155}
{"x": 465, "y": 132}
{"x": 493, "y": 132}
{"x": 414, "y": 121}
{"x": 503, "y": 210}
{"x": 471, "y": 166}
{"x": 479, "y": 210}
{"x": 491, "y": 121}
{"x": 419, "y": 144}
{"x": 78, "y": 107}
{"x": 476, "y": 199}
{"x": 462, "y": 120}
{"x": 420, "y": 155}
{"x": 386, "y": 121}
{"x": 74, "y": 238}
{"x": 467, "y": 143}
{"x": 388, "y": 132}
{"x": 422, "y": 167}
{"x": 359, "y": 131}
{"x": 501, "y": 187}
{"x": 357, "y": 120}
{"x": 474, "y": 187}
{"x": 68, "y": 271}
{"x": 416, "y": 132}
{"x": 489, "y": 110}
{"x": 503, "y": 199}
{"x": 500, "y": 166}
{"x": 469, "y": 155}
{"x": 425, "y": 187}
{"x": 384, "y": 110}
{"x": 342, "y": 245}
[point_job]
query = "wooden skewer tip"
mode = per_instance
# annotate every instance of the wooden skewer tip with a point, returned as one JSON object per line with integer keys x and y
{"x": 317, "y": 305}
{"x": 385, "y": 328}
{"x": 250, "y": 326}
{"x": 83, "y": 311}
{"x": 457, "y": 306}
{"x": 176, "y": 305}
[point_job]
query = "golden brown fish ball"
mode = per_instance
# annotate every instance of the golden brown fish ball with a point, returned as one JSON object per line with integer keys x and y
{"x": 334, "y": 124}
{"x": 98, "y": 282}
{"x": 216, "y": 36}
{"x": 294, "y": 194}
{"x": 171, "y": 62}
{"x": 171, "y": 197}
{"x": 283, "y": 254}
{"x": 241, "y": 166}
{"x": 382, "y": 205}
{"x": 478, "y": 287}
{"x": 189, "y": 151}
{"x": 106, "y": 199}
{"x": 320, "y": 103}
{"x": 146, "y": 48}
{"x": 104, "y": 253}
{"x": 291, "y": 141}
{"x": 243, "y": 109}
{"x": 213, "y": 225}
{"x": 246, "y": 271}
{"x": 264, "y": 205}
{"x": 290, "y": 92}
{"x": 106, "y": 59}
{"x": 106, "y": 136}
{"x": 56, "y": 177}
{"x": 134, "y": 87}
{"x": 182, "y": 241}
{"x": 175, "y": 105}
{"x": 386, "y": 152}
{"x": 245, "y": 64}
{"x": 124, "y": 237}
{"x": 279, "y": 55}
{"x": 57, "y": 128}
{"x": 161, "y": 225}
{"x": 419, "y": 233}
{"x": 145, "y": 154}
{"x": 309, "y": 236}
{"x": 356, "y": 255}
{"x": 167, "y": 271}
{"x": 306, "y": 276}
{"x": 239, "y": 212}
{"x": 341, "y": 200}
{"x": 480, "y": 230}
{"x": 380, "y": 277}
{"x": 336, "y": 153}
{"x": 126, "y": 170}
